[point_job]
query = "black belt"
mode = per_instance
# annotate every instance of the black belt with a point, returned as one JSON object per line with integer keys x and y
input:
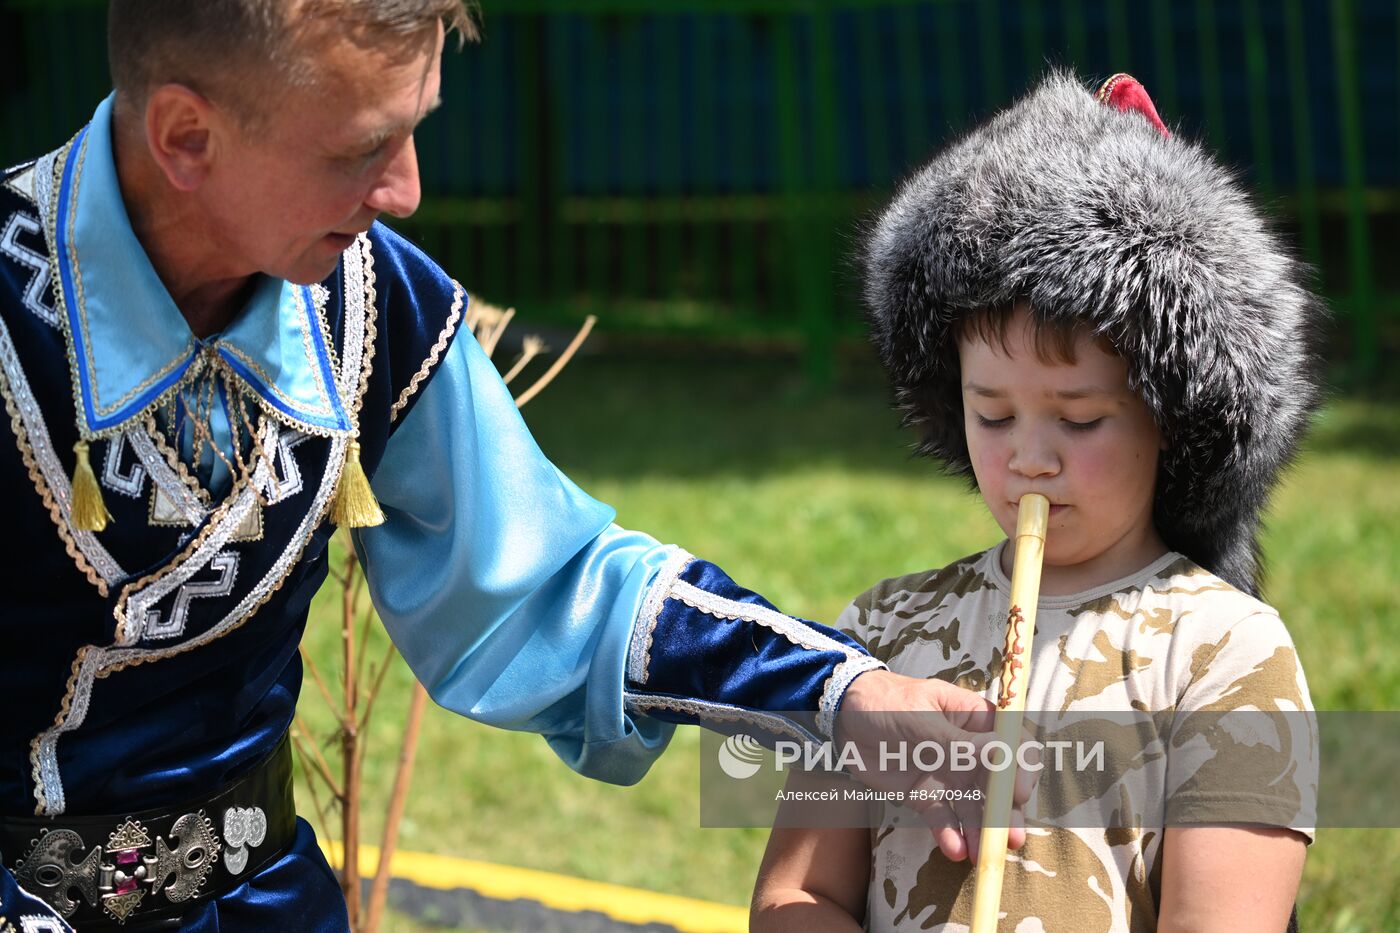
{"x": 152, "y": 867}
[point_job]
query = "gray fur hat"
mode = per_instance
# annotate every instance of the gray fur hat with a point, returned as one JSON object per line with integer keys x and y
{"x": 1095, "y": 215}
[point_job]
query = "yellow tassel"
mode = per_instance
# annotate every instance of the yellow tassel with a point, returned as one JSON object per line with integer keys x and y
{"x": 355, "y": 505}
{"x": 89, "y": 511}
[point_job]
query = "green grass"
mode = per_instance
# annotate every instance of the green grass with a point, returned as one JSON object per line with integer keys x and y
{"x": 810, "y": 499}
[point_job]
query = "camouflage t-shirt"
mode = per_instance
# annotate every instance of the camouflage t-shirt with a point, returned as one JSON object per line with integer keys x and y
{"x": 1171, "y": 637}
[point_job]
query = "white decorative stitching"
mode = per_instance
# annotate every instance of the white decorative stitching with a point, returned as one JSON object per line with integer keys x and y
{"x": 226, "y": 563}
{"x": 289, "y": 483}
{"x": 639, "y": 653}
{"x": 49, "y": 789}
{"x": 128, "y": 484}
{"x": 719, "y": 712}
{"x": 38, "y": 265}
{"x": 53, "y": 473}
{"x": 794, "y": 630}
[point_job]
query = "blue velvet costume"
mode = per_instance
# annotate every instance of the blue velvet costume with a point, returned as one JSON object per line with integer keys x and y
{"x": 157, "y": 659}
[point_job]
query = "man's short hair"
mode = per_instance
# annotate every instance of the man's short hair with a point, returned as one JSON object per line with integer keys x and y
{"x": 233, "y": 50}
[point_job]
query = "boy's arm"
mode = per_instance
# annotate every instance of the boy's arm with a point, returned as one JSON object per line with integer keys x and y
{"x": 1229, "y": 878}
{"x": 812, "y": 880}
{"x": 1239, "y": 813}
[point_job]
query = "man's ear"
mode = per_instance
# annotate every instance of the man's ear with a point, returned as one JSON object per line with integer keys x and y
{"x": 180, "y": 130}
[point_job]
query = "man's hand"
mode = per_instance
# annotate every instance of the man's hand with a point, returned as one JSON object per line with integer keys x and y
{"x": 898, "y": 711}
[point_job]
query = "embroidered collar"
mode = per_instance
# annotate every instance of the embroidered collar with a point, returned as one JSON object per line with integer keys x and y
{"x": 130, "y": 347}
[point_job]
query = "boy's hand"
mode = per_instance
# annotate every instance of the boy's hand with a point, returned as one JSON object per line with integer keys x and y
{"x": 882, "y": 707}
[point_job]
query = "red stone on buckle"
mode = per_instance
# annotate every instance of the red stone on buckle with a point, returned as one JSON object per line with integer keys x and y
{"x": 127, "y": 871}
{"x": 124, "y": 858}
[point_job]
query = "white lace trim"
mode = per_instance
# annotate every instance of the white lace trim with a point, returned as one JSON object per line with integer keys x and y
{"x": 835, "y": 689}
{"x": 43, "y": 182}
{"x": 357, "y": 268}
{"x": 55, "y": 476}
{"x": 639, "y": 653}
{"x": 771, "y": 723}
{"x": 794, "y": 630}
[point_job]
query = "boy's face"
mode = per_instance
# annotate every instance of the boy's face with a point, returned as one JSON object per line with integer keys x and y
{"x": 1073, "y": 432}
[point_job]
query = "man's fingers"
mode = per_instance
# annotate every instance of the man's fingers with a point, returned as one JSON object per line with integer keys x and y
{"x": 946, "y": 832}
{"x": 1016, "y": 833}
{"x": 928, "y": 800}
{"x": 969, "y": 814}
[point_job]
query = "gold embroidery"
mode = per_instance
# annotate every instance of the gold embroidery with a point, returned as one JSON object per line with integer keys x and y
{"x": 211, "y": 525}
{"x": 332, "y": 473}
{"x": 46, "y": 493}
{"x": 371, "y": 330}
{"x": 250, "y": 530}
{"x": 433, "y": 357}
{"x": 42, "y": 486}
{"x": 51, "y": 222}
{"x": 36, "y": 756}
{"x": 133, "y": 657}
{"x": 325, "y": 409}
{"x": 171, "y": 457}
{"x": 321, "y": 295}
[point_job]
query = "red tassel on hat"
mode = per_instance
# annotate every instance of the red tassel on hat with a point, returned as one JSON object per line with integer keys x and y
{"x": 1125, "y": 92}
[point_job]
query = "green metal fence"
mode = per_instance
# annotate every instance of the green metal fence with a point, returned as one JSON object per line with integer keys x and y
{"x": 703, "y": 166}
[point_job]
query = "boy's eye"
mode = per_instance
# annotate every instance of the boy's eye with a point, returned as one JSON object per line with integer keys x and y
{"x": 1083, "y": 425}
{"x": 993, "y": 422}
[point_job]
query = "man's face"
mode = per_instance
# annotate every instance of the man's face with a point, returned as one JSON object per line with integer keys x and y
{"x": 287, "y": 198}
{"x": 1073, "y": 432}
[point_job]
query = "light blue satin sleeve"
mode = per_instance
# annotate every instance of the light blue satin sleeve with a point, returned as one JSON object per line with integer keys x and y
{"x": 509, "y": 591}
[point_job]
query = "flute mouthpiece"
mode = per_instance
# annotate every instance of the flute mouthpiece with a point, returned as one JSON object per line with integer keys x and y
{"x": 1033, "y": 516}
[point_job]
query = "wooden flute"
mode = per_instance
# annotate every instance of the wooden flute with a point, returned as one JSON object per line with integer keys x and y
{"x": 1032, "y": 519}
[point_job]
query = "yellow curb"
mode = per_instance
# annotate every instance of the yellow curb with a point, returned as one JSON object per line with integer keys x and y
{"x": 557, "y": 892}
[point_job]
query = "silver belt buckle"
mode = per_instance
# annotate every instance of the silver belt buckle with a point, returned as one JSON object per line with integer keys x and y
{"x": 115, "y": 876}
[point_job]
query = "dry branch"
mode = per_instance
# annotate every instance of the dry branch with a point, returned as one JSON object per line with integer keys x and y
{"x": 559, "y": 364}
{"x": 355, "y": 706}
